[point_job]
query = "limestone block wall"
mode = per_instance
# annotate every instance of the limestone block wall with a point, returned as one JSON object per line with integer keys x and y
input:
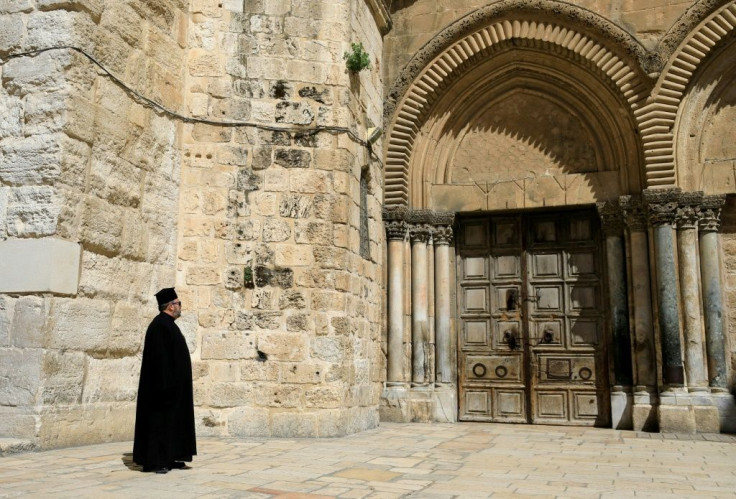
{"x": 287, "y": 311}
{"x": 728, "y": 248}
{"x": 89, "y": 191}
{"x": 417, "y": 22}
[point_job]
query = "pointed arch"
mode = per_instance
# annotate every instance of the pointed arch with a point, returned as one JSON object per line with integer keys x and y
{"x": 658, "y": 117}
{"x": 574, "y": 33}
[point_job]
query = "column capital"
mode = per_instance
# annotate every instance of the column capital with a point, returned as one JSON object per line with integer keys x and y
{"x": 420, "y": 232}
{"x": 396, "y": 229}
{"x": 710, "y": 213}
{"x": 612, "y": 217}
{"x": 662, "y": 205}
{"x": 634, "y": 213}
{"x": 688, "y": 211}
{"x": 442, "y": 235}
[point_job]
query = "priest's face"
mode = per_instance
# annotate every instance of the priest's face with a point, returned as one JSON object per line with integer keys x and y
{"x": 175, "y": 309}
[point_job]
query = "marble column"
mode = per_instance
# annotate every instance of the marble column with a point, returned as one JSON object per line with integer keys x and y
{"x": 712, "y": 294}
{"x": 419, "y": 304}
{"x": 644, "y": 354}
{"x": 442, "y": 237}
{"x": 662, "y": 205}
{"x": 621, "y": 397}
{"x": 686, "y": 219}
{"x": 612, "y": 220}
{"x": 396, "y": 232}
{"x": 431, "y": 346}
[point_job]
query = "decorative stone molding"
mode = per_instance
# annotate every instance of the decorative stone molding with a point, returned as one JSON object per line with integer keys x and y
{"x": 657, "y": 118}
{"x": 662, "y": 205}
{"x": 710, "y": 213}
{"x": 612, "y": 217}
{"x": 442, "y": 235}
{"x": 634, "y": 212}
{"x": 688, "y": 213}
{"x": 396, "y": 229}
{"x": 380, "y": 15}
{"x": 479, "y": 35}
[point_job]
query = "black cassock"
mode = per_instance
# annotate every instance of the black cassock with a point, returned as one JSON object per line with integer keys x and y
{"x": 164, "y": 418}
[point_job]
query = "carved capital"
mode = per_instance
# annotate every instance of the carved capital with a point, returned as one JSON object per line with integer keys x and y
{"x": 612, "y": 218}
{"x": 688, "y": 212}
{"x": 442, "y": 235}
{"x": 634, "y": 213}
{"x": 662, "y": 205}
{"x": 396, "y": 229}
{"x": 420, "y": 233}
{"x": 710, "y": 213}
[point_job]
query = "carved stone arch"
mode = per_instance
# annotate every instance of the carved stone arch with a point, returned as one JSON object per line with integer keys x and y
{"x": 554, "y": 28}
{"x": 658, "y": 118}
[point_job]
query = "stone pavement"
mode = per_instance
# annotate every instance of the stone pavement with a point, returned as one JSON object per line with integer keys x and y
{"x": 399, "y": 460}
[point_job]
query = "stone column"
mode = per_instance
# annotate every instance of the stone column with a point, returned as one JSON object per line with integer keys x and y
{"x": 662, "y": 205}
{"x": 644, "y": 354}
{"x": 710, "y": 272}
{"x": 396, "y": 232}
{"x": 687, "y": 249}
{"x": 419, "y": 304}
{"x": 431, "y": 341}
{"x": 621, "y": 397}
{"x": 442, "y": 286}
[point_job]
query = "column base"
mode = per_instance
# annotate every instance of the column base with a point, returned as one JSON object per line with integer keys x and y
{"x": 698, "y": 412}
{"x": 622, "y": 404}
{"x": 418, "y": 404}
{"x": 644, "y": 413}
{"x": 394, "y": 404}
{"x": 445, "y": 403}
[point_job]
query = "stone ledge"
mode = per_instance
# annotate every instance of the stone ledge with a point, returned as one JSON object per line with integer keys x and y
{"x": 14, "y": 446}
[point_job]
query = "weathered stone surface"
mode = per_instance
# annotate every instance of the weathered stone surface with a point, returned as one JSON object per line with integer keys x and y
{"x": 28, "y": 323}
{"x": 292, "y": 158}
{"x": 276, "y": 230}
{"x": 111, "y": 380}
{"x": 294, "y": 424}
{"x": 231, "y": 394}
{"x": 281, "y": 346}
{"x": 80, "y": 324}
{"x": 20, "y": 376}
{"x": 228, "y": 345}
{"x": 32, "y": 211}
{"x": 63, "y": 374}
{"x": 249, "y": 422}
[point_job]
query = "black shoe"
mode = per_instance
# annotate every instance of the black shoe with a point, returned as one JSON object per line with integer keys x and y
{"x": 161, "y": 470}
{"x": 177, "y": 465}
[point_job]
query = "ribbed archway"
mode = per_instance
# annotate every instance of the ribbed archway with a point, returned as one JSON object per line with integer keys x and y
{"x": 611, "y": 81}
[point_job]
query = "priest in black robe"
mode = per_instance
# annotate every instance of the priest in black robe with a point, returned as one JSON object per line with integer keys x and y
{"x": 164, "y": 419}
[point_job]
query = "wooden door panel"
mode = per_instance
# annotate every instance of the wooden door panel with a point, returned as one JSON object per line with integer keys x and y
{"x": 530, "y": 309}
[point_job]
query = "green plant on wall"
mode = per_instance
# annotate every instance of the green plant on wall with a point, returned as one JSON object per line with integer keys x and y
{"x": 357, "y": 59}
{"x": 248, "y": 277}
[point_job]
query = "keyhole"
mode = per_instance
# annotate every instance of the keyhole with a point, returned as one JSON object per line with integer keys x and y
{"x": 511, "y": 299}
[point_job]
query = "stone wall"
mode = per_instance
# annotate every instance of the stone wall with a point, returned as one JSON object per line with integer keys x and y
{"x": 89, "y": 177}
{"x": 417, "y": 22}
{"x": 728, "y": 248}
{"x": 287, "y": 311}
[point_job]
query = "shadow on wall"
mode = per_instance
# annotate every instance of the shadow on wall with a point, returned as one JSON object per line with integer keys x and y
{"x": 528, "y": 130}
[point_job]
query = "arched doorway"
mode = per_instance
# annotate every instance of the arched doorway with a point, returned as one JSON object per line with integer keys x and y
{"x": 517, "y": 129}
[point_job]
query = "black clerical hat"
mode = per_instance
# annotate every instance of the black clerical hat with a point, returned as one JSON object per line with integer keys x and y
{"x": 166, "y": 295}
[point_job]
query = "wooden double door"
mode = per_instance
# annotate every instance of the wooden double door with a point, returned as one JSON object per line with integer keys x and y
{"x": 532, "y": 316}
